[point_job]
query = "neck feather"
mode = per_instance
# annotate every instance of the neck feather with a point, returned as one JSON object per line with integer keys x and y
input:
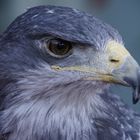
{"x": 63, "y": 111}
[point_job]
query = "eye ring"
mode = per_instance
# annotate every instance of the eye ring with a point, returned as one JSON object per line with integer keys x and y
{"x": 58, "y": 48}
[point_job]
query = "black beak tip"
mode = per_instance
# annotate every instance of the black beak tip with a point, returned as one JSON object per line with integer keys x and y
{"x": 136, "y": 88}
{"x": 136, "y": 96}
{"x": 135, "y": 100}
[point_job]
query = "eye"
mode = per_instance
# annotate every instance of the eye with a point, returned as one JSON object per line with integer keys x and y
{"x": 59, "y": 48}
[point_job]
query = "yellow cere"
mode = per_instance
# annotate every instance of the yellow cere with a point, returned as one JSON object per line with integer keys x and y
{"x": 116, "y": 51}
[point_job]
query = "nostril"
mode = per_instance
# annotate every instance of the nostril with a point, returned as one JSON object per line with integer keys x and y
{"x": 114, "y": 60}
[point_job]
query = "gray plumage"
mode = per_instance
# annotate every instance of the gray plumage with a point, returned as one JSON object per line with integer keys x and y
{"x": 37, "y": 103}
{"x": 66, "y": 23}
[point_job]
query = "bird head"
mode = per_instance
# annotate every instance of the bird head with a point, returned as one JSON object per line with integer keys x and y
{"x": 65, "y": 45}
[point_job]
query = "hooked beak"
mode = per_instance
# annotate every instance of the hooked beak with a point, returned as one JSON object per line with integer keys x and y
{"x": 129, "y": 75}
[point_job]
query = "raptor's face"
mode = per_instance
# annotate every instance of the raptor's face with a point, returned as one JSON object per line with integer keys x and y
{"x": 71, "y": 45}
{"x": 112, "y": 64}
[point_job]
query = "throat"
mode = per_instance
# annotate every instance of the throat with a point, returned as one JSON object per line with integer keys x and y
{"x": 64, "y": 112}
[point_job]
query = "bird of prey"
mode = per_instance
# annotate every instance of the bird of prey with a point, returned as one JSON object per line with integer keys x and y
{"x": 56, "y": 67}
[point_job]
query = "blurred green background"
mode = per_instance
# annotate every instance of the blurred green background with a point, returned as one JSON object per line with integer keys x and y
{"x": 124, "y": 15}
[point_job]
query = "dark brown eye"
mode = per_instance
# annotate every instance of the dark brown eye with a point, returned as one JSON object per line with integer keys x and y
{"x": 59, "y": 48}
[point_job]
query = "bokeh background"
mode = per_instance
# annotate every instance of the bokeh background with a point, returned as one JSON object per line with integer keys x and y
{"x": 124, "y": 15}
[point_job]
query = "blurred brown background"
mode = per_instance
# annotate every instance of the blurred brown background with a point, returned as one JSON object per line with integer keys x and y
{"x": 124, "y": 15}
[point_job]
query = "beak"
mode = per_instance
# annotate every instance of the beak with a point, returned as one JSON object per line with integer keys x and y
{"x": 129, "y": 75}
